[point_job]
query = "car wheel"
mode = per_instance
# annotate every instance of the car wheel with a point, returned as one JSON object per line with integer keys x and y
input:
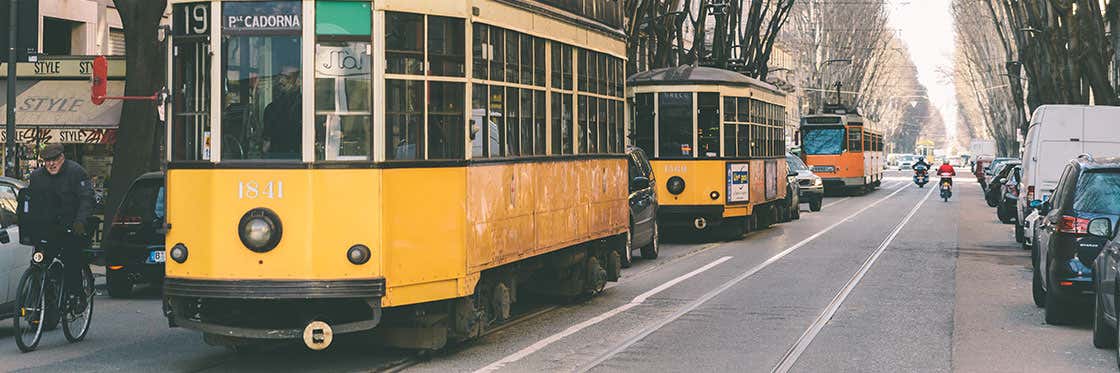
{"x": 1020, "y": 233}
{"x": 1057, "y": 309}
{"x": 652, "y": 250}
{"x": 1104, "y": 336}
{"x": 815, "y": 205}
{"x": 1037, "y": 291}
{"x": 119, "y": 284}
{"x": 628, "y": 250}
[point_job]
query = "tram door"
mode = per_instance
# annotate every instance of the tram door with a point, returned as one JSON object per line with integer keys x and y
{"x": 707, "y": 120}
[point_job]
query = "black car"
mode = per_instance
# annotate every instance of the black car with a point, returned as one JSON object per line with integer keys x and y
{"x": 1066, "y": 251}
{"x": 134, "y": 250}
{"x": 1105, "y": 304}
{"x": 643, "y": 207}
{"x": 1001, "y": 172}
{"x": 1009, "y": 195}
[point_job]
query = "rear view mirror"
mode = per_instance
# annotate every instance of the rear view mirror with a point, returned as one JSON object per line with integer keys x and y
{"x": 792, "y": 173}
{"x": 1101, "y": 227}
{"x": 1036, "y": 204}
{"x": 638, "y": 183}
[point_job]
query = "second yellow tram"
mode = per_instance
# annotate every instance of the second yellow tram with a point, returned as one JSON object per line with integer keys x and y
{"x": 716, "y": 140}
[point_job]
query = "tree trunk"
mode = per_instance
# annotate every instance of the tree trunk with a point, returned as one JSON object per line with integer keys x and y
{"x": 137, "y": 147}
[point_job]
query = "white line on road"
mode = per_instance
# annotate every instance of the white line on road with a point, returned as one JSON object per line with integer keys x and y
{"x": 833, "y": 203}
{"x": 595, "y": 320}
{"x": 727, "y": 285}
{"x": 806, "y": 338}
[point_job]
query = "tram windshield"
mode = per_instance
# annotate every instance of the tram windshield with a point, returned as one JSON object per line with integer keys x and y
{"x": 823, "y": 141}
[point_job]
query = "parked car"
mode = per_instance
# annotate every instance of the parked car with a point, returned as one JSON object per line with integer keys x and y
{"x": 1105, "y": 308}
{"x": 811, "y": 186}
{"x": 1066, "y": 251}
{"x": 643, "y": 207}
{"x": 1057, "y": 134}
{"x": 134, "y": 248}
{"x": 1008, "y": 195}
{"x": 995, "y": 186}
{"x": 992, "y": 168}
{"x": 14, "y": 256}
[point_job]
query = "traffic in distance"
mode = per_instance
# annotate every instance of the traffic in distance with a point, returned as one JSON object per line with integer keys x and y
{"x": 481, "y": 186}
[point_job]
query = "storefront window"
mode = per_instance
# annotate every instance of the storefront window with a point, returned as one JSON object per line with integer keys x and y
{"x": 262, "y": 104}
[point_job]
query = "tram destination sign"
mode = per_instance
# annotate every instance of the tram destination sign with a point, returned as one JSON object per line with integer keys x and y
{"x": 265, "y": 16}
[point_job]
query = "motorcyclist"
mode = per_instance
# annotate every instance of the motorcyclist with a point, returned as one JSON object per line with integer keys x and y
{"x": 921, "y": 162}
{"x": 67, "y": 183}
{"x": 947, "y": 168}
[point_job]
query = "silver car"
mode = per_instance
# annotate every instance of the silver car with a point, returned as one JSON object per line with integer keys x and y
{"x": 812, "y": 188}
{"x": 14, "y": 257}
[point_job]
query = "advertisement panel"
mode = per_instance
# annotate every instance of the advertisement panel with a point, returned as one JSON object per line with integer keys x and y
{"x": 738, "y": 182}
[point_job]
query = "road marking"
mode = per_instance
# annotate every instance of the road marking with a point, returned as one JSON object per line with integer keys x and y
{"x": 806, "y": 338}
{"x": 595, "y": 320}
{"x": 727, "y": 285}
{"x": 833, "y": 203}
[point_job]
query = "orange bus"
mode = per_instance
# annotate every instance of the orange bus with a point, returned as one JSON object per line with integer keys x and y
{"x": 844, "y": 149}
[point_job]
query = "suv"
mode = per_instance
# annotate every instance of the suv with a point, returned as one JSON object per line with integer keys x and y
{"x": 134, "y": 249}
{"x": 643, "y": 207}
{"x": 1065, "y": 251}
{"x": 812, "y": 188}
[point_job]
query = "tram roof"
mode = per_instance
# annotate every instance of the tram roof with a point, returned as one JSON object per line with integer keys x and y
{"x": 697, "y": 75}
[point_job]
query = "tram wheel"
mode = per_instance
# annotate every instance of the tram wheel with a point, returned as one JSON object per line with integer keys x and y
{"x": 596, "y": 276}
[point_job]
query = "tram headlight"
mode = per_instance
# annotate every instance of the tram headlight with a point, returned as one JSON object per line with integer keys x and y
{"x": 358, "y": 254}
{"x": 675, "y": 185}
{"x": 260, "y": 230}
{"x": 179, "y": 253}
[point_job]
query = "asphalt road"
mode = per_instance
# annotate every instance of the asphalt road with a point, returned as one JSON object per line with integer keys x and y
{"x": 894, "y": 280}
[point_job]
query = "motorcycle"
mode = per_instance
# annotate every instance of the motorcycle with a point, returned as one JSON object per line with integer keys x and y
{"x": 946, "y": 186}
{"x": 921, "y": 176}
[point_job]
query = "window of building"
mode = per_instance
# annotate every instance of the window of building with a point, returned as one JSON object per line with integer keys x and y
{"x": 58, "y": 36}
{"x": 262, "y": 113}
{"x": 116, "y": 42}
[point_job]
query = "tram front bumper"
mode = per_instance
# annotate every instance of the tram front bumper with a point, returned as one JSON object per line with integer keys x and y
{"x": 842, "y": 182}
{"x": 272, "y": 309}
{"x": 682, "y": 216}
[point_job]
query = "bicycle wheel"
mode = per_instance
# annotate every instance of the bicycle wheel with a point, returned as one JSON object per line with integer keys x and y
{"x": 30, "y": 306}
{"x": 52, "y": 292}
{"x": 77, "y": 311}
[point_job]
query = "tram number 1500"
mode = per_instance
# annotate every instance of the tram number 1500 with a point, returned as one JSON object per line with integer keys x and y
{"x": 255, "y": 190}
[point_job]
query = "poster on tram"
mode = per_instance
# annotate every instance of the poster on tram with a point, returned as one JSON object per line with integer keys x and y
{"x": 738, "y": 182}
{"x": 771, "y": 179}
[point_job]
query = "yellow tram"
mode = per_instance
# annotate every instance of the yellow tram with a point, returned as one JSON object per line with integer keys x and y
{"x": 403, "y": 166}
{"x": 716, "y": 140}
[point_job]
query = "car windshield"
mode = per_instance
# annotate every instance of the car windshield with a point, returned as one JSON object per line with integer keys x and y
{"x": 823, "y": 141}
{"x": 144, "y": 202}
{"x": 795, "y": 164}
{"x": 1097, "y": 191}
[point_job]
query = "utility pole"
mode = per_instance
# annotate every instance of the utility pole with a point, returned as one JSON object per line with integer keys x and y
{"x": 11, "y": 159}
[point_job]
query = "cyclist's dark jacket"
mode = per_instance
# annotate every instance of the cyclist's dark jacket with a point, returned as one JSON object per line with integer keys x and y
{"x": 72, "y": 190}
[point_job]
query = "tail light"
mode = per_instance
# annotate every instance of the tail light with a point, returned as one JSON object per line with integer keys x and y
{"x": 1030, "y": 193}
{"x": 1072, "y": 224}
{"x": 126, "y": 220}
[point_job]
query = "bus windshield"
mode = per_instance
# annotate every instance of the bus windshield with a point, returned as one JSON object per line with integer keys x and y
{"x": 823, "y": 141}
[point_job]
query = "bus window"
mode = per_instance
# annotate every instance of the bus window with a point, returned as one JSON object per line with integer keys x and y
{"x": 643, "y": 121}
{"x": 675, "y": 124}
{"x": 822, "y": 140}
{"x": 708, "y": 122}
{"x": 262, "y": 103}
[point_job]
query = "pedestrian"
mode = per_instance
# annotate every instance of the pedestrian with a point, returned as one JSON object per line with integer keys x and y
{"x": 70, "y": 193}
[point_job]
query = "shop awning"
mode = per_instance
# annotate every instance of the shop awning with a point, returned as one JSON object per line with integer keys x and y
{"x": 62, "y": 104}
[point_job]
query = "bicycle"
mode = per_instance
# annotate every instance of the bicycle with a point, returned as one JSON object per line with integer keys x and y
{"x": 42, "y": 302}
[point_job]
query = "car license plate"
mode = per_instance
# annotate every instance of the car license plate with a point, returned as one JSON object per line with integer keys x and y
{"x": 156, "y": 257}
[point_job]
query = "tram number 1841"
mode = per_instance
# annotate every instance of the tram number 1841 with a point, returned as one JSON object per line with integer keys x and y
{"x": 255, "y": 190}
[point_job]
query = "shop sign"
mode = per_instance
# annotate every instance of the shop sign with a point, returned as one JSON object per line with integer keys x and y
{"x": 58, "y": 68}
{"x": 65, "y": 136}
{"x": 342, "y": 61}
{"x": 262, "y": 16}
{"x": 738, "y": 182}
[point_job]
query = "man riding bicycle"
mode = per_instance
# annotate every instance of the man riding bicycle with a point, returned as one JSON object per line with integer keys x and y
{"x": 67, "y": 183}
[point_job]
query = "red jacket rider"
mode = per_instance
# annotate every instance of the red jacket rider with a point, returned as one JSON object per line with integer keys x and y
{"x": 946, "y": 168}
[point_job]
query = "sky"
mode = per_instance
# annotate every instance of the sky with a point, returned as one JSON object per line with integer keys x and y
{"x": 926, "y": 27}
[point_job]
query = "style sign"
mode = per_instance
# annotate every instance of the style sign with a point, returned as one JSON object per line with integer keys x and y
{"x": 342, "y": 61}
{"x": 738, "y": 182}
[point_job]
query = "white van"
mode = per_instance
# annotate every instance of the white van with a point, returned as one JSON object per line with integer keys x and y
{"x": 1057, "y": 134}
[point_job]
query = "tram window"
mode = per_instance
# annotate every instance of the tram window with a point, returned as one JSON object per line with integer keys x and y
{"x": 729, "y": 140}
{"x": 445, "y": 46}
{"x": 620, "y": 130}
{"x": 445, "y": 120}
{"x": 593, "y": 124}
{"x": 582, "y": 113}
{"x": 855, "y": 140}
{"x": 643, "y": 122}
{"x": 190, "y": 126}
{"x": 556, "y": 122}
{"x": 675, "y": 124}
{"x": 744, "y": 109}
{"x": 262, "y": 112}
{"x": 708, "y": 124}
{"x": 604, "y": 126}
{"x": 822, "y": 141}
{"x": 480, "y": 125}
{"x": 511, "y": 56}
{"x": 557, "y": 66}
{"x": 404, "y": 43}
{"x": 601, "y": 73}
{"x": 540, "y": 126}
{"x": 512, "y": 141}
{"x": 481, "y": 42}
{"x": 538, "y": 62}
{"x": 583, "y": 71}
{"x": 728, "y": 109}
{"x": 567, "y": 126}
{"x": 567, "y": 56}
{"x": 526, "y": 129}
{"x": 497, "y": 57}
{"x": 497, "y": 121}
{"x": 342, "y": 100}
{"x": 526, "y": 59}
{"x": 404, "y": 119}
